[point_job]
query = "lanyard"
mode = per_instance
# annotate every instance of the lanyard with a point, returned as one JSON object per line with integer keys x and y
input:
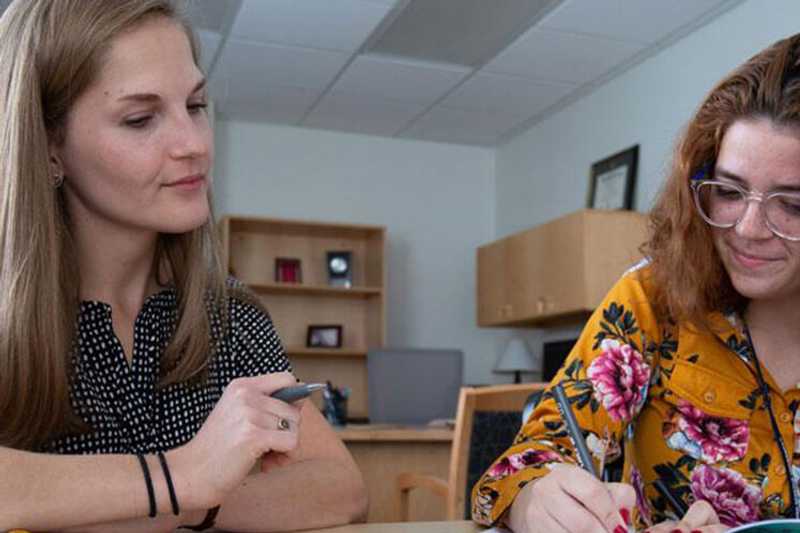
{"x": 794, "y": 491}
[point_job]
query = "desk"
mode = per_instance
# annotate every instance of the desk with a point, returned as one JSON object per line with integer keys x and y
{"x": 406, "y": 527}
{"x": 382, "y": 452}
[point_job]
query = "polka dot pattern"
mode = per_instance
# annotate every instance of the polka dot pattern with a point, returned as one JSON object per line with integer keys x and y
{"x": 120, "y": 401}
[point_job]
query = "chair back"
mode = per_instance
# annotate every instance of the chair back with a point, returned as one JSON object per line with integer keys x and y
{"x": 487, "y": 420}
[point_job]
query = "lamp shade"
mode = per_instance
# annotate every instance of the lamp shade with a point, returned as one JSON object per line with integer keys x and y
{"x": 516, "y": 358}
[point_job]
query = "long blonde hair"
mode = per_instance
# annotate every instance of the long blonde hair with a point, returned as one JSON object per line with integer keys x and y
{"x": 50, "y": 51}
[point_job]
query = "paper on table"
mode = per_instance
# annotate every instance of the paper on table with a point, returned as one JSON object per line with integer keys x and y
{"x": 771, "y": 526}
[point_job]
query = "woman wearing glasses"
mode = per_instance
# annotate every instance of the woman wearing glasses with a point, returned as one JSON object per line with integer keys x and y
{"x": 688, "y": 372}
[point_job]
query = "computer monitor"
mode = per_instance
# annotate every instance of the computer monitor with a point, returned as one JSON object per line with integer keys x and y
{"x": 413, "y": 386}
{"x": 555, "y": 353}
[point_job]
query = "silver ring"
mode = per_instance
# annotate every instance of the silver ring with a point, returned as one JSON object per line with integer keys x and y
{"x": 283, "y": 424}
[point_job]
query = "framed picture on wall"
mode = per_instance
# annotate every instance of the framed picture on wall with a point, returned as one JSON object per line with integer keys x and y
{"x": 613, "y": 179}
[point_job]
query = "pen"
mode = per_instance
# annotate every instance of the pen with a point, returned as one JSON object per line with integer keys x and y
{"x": 584, "y": 457}
{"x": 677, "y": 505}
{"x": 297, "y": 392}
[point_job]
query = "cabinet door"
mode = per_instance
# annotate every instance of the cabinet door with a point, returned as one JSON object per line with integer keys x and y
{"x": 561, "y": 271}
{"x": 526, "y": 257}
{"x": 612, "y": 247}
{"x": 492, "y": 304}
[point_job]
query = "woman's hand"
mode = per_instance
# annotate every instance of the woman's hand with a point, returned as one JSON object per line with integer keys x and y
{"x": 244, "y": 425}
{"x": 569, "y": 499}
{"x": 700, "y": 518}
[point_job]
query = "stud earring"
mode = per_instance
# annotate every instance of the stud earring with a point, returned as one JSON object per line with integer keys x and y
{"x": 58, "y": 180}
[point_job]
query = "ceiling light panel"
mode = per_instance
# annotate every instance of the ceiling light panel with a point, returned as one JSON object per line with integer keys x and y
{"x": 324, "y": 24}
{"x": 461, "y": 32}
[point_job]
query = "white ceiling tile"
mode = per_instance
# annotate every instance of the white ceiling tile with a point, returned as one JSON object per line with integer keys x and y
{"x": 262, "y": 64}
{"x": 211, "y": 14}
{"x": 559, "y": 56}
{"x": 218, "y": 90}
{"x": 357, "y": 113}
{"x": 460, "y": 126}
{"x": 326, "y": 24}
{"x": 495, "y": 92}
{"x": 209, "y": 42}
{"x": 284, "y": 105}
{"x": 400, "y": 80}
{"x": 642, "y": 21}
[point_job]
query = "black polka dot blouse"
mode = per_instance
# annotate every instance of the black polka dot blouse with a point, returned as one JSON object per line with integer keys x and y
{"x": 119, "y": 400}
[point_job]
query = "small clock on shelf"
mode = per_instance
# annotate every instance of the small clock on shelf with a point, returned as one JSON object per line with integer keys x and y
{"x": 340, "y": 269}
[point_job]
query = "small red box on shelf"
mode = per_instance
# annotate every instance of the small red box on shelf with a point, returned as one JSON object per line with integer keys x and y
{"x": 287, "y": 270}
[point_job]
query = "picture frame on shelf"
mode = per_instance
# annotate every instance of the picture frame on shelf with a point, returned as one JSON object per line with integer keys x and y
{"x": 613, "y": 179}
{"x": 288, "y": 270}
{"x": 340, "y": 269}
{"x": 324, "y": 336}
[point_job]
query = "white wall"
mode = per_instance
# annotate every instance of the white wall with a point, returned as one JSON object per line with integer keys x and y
{"x": 440, "y": 201}
{"x": 544, "y": 172}
{"x": 436, "y": 200}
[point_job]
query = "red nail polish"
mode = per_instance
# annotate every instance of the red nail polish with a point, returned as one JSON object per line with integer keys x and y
{"x": 626, "y": 515}
{"x": 696, "y": 531}
{"x": 676, "y": 531}
{"x": 620, "y": 529}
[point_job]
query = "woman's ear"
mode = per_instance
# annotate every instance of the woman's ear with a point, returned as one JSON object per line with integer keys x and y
{"x": 56, "y": 170}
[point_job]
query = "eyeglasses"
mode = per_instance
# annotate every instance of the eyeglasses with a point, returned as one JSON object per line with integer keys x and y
{"x": 723, "y": 205}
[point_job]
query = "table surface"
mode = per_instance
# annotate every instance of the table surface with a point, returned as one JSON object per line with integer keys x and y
{"x": 403, "y": 527}
{"x": 394, "y": 433}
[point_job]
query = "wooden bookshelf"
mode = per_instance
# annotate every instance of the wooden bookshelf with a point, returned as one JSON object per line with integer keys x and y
{"x": 320, "y": 290}
{"x": 325, "y": 352}
{"x": 250, "y": 247}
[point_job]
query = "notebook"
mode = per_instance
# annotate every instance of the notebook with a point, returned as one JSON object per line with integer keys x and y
{"x": 772, "y": 526}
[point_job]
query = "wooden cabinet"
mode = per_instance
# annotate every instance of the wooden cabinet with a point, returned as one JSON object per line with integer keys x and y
{"x": 251, "y": 246}
{"x": 559, "y": 270}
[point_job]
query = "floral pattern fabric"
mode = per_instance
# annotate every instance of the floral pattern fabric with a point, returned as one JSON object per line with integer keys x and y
{"x": 678, "y": 404}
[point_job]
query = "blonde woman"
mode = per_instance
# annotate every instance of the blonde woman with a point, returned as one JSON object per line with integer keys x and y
{"x": 134, "y": 381}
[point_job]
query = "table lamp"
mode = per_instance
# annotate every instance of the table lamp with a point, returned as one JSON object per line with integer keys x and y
{"x": 516, "y": 358}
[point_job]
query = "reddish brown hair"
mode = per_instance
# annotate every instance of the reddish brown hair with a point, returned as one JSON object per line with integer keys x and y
{"x": 687, "y": 273}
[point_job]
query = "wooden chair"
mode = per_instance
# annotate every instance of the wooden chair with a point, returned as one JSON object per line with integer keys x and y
{"x": 498, "y": 402}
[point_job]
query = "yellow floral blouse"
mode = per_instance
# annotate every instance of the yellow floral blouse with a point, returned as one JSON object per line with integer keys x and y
{"x": 676, "y": 403}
